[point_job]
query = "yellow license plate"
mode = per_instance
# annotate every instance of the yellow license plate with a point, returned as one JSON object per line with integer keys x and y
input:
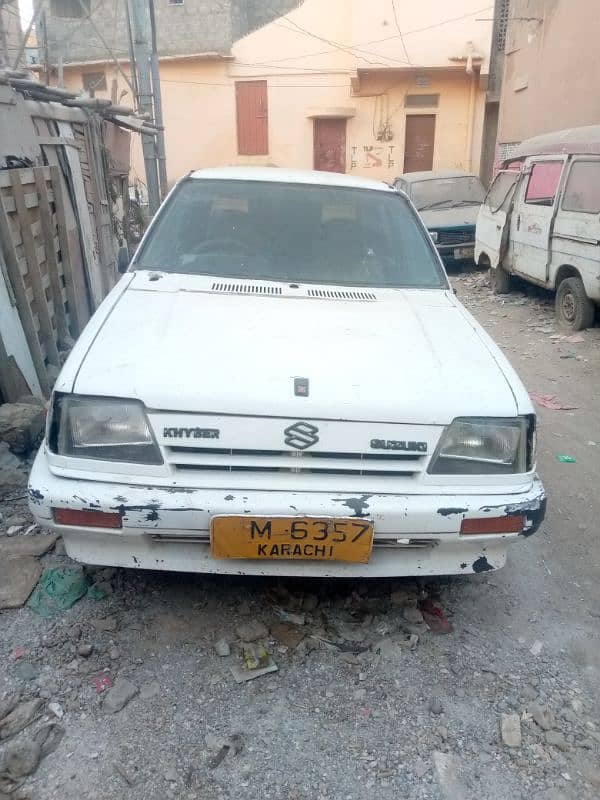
{"x": 284, "y": 538}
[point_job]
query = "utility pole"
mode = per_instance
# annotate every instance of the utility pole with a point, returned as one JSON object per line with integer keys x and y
{"x": 141, "y": 29}
{"x": 158, "y": 115}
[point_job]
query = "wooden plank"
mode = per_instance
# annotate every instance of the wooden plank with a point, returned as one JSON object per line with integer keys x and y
{"x": 33, "y": 269}
{"x": 23, "y": 306}
{"x": 64, "y": 251}
{"x": 26, "y": 177}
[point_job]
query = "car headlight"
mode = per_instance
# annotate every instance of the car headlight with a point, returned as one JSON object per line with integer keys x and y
{"x": 434, "y": 236}
{"x": 485, "y": 446}
{"x": 102, "y": 428}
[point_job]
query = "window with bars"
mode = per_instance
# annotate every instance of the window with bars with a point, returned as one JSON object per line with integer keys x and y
{"x": 421, "y": 100}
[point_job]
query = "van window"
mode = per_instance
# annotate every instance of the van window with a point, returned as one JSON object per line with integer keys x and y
{"x": 543, "y": 183}
{"x": 582, "y": 192}
{"x": 501, "y": 189}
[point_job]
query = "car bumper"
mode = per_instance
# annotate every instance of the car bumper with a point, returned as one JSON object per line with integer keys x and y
{"x": 457, "y": 252}
{"x": 168, "y": 528}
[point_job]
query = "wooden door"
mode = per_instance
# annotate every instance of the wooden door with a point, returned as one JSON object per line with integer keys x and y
{"x": 252, "y": 118}
{"x": 419, "y": 142}
{"x": 330, "y": 144}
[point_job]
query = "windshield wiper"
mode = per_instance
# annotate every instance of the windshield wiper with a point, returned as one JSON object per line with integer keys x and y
{"x": 434, "y": 205}
{"x": 466, "y": 203}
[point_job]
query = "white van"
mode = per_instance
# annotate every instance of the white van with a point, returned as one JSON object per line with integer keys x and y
{"x": 283, "y": 382}
{"x": 541, "y": 221}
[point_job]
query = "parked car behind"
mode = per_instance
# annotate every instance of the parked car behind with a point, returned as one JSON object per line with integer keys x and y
{"x": 448, "y": 203}
{"x": 541, "y": 221}
{"x": 284, "y": 383}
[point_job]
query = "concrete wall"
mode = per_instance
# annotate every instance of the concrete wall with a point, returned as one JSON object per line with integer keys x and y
{"x": 308, "y": 77}
{"x": 552, "y": 65}
{"x": 10, "y": 32}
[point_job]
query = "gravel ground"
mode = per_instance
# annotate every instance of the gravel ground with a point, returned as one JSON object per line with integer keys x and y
{"x": 366, "y": 702}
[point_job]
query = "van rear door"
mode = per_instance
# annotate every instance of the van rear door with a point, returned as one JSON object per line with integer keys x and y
{"x": 492, "y": 228}
{"x": 576, "y": 237}
{"x": 533, "y": 216}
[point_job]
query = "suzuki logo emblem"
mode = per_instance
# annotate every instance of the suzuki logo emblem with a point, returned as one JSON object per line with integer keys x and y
{"x": 301, "y": 435}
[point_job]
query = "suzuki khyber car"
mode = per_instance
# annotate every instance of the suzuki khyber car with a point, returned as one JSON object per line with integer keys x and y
{"x": 284, "y": 383}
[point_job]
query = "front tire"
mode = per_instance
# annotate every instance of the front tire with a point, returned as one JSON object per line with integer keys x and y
{"x": 574, "y": 309}
{"x": 500, "y": 280}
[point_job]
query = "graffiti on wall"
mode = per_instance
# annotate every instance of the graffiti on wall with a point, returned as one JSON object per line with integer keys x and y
{"x": 369, "y": 156}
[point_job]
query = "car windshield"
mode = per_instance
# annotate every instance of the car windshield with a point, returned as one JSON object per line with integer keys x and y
{"x": 447, "y": 192}
{"x": 291, "y": 232}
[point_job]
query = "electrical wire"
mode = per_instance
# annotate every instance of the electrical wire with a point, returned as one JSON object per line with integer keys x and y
{"x": 442, "y": 22}
{"x": 400, "y": 32}
{"x": 349, "y": 49}
{"x": 271, "y": 86}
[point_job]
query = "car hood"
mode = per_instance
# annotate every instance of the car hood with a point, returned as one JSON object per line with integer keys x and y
{"x": 450, "y": 217}
{"x": 405, "y": 356}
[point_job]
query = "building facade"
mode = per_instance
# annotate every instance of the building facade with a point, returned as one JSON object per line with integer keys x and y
{"x": 551, "y": 64}
{"x": 371, "y": 87}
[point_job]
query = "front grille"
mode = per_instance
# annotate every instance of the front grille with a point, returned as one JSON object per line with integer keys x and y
{"x": 246, "y": 288}
{"x": 459, "y": 236}
{"x": 324, "y": 463}
{"x": 341, "y": 294}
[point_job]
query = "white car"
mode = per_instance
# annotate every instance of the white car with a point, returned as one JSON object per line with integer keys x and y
{"x": 284, "y": 383}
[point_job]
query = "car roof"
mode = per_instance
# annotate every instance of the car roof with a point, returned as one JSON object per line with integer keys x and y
{"x": 570, "y": 141}
{"x": 278, "y": 175}
{"x": 430, "y": 175}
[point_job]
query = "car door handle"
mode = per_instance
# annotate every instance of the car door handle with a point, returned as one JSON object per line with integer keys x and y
{"x": 518, "y": 222}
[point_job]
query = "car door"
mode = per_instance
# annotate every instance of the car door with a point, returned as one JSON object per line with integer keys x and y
{"x": 533, "y": 215}
{"x": 493, "y": 217}
{"x": 576, "y": 236}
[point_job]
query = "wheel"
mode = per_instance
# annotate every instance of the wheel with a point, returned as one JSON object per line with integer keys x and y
{"x": 500, "y": 280}
{"x": 574, "y": 309}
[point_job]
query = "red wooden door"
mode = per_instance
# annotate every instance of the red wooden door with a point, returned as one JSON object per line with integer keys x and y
{"x": 252, "y": 118}
{"x": 419, "y": 142}
{"x": 330, "y": 144}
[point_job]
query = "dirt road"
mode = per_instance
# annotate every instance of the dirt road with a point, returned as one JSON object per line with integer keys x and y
{"x": 365, "y": 703}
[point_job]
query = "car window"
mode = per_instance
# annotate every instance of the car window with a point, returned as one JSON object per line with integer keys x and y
{"x": 582, "y": 192}
{"x": 501, "y": 189}
{"x": 543, "y": 183}
{"x": 447, "y": 192}
{"x": 291, "y": 232}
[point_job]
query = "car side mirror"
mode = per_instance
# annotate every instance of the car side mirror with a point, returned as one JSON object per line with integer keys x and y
{"x": 123, "y": 259}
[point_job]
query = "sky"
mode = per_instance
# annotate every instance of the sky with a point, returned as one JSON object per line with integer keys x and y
{"x": 26, "y": 7}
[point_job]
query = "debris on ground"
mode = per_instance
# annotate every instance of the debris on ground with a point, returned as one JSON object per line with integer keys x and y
{"x": 19, "y": 717}
{"x": 119, "y": 695}
{"x": 21, "y": 758}
{"x": 565, "y": 459}
{"x": 510, "y": 728}
{"x": 233, "y": 745}
{"x": 21, "y": 425}
{"x": 536, "y": 648}
{"x": 59, "y": 589}
{"x": 222, "y": 648}
{"x": 125, "y": 774}
{"x": 287, "y": 635}
{"x": 252, "y": 631}
{"x": 257, "y": 662}
{"x": 434, "y": 617}
{"x": 18, "y": 578}
{"x": 551, "y": 401}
